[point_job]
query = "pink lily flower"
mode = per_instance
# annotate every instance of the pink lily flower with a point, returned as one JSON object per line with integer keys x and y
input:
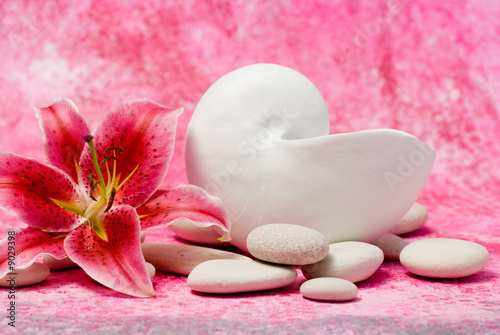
{"x": 85, "y": 204}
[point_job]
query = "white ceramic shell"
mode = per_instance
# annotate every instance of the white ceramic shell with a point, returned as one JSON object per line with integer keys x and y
{"x": 258, "y": 139}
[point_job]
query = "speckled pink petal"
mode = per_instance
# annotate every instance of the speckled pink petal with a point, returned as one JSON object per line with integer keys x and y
{"x": 146, "y": 132}
{"x": 117, "y": 263}
{"x": 185, "y": 202}
{"x": 28, "y": 243}
{"x": 27, "y": 187}
{"x": 63, "y": 129}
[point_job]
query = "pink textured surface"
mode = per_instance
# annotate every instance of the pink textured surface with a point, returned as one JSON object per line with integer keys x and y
{"x": 429, "y": 68}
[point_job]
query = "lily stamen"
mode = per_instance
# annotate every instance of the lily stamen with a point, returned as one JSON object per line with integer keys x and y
{"x": 105, "y": 160}
{"x": 112, "y": 148}
{"x": 107, "y": 191}
{"x": 128, "y": 177}
{"x": 111, "y": 200}
{"x": 92, "y": 184}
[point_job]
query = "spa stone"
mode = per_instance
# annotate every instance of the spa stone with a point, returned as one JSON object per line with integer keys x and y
{"x": 236, "y": 276}
{"x": 351, "y": 260}
{"x": 444, "y": 258}
{"x": 34, "y": 274}
{"x": 287, "y": 244}
{"x": 391, "y": 245}
{"x": 413, "y": 219}
{"x": 329, "y": 289}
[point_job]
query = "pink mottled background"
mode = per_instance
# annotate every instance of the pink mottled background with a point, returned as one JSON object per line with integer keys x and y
{"x": 431, "y": 68}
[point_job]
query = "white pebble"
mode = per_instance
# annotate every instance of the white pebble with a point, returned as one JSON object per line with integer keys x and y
{"x": 413, "y": 219}
{"x": 287, "y": 244}
{"x": 391, "y": 245}
{"x": 181, "y": 258}
{"x": 58, "y": 264}
{"x": 34, "y": 274}
{"x": 329, "y": 289}
{"x": 236, "y": 276}
{"x": 353, "y": 261}
{"x": 151, "y": 270}
{"x": 444, "y": 258}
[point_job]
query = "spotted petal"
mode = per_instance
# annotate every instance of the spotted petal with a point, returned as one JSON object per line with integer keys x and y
{"x": 146, "y": 133}
{"x": 117, "y": 263}
{"x": 63, "y": 129}
{"x": 31, "y": 189}
{"x": 185, "y": 202}
{"x": 27, "y": 244}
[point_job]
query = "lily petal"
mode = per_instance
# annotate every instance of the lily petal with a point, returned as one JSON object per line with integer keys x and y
{"x": 117, "y": 263}
{"x": 28, "y": 244}
{"x": 146, "y": 133}
{"x": 185, "y": 202}
{"x": 31, "y": 190}
{"x": 63, "y": 129}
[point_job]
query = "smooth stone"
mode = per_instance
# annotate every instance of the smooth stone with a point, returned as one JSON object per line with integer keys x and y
{"x": 151, "y": 270}
{"x": 236, "y": 276}
{"x": 287, "y": 244}
{"x": 34, "y": 274}
{"x": 182, "y": 259}
{"x": 329, "y": 289}
{"x": 58, "y": 264}
{"x": 415, "y": 218}
{"x": 391, "y": 245}
{"x": 353, "y": 261}
{"x": 444, "y": 258}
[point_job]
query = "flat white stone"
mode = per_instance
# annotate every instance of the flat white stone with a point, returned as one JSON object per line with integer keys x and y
{"x": 329, "y": 289}
{"x": 444, "y": 258}
{"x": 352, "y": 260}
{"x": 236, "y": 276}
{"x": 151, "y": 269}
{"x": 34, "y": 274}
{"x": 287, "y": 244}
{"x": 181, "y": 258}
{"x": 58, "y": 264}
{"x": 415, "y": 218}
{"x": 391, "y": 245}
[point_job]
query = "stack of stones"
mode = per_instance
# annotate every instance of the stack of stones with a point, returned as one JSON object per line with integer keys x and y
{"x": 331, "y": 270}
{"x": 278, "y": 250}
